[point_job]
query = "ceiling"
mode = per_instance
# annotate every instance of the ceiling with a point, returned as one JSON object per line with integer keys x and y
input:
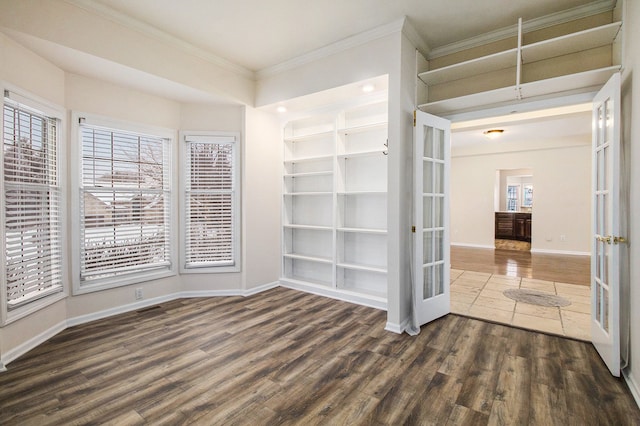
{"x": 258, "y": 34}
{"x": 563, "y": 123}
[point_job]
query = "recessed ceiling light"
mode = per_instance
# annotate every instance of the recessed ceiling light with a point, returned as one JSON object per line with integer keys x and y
{"x": 493, "y": 133}
{"x": 281, "y": 109}
{"x": 367, "y": 88}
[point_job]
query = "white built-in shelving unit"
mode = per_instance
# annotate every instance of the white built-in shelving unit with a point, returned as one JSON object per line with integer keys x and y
{"x": 335, "y": 204}
{"x": 568, "y": 63}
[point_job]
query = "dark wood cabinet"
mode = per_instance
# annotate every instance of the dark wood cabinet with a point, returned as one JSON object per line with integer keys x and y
{"x": 513, "y": 226}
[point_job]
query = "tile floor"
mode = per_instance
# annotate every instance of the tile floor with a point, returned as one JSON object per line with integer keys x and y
{"x": 479, "y": 295}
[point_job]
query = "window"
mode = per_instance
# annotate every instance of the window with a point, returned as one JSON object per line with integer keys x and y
{"x": 32, "y": 205}
{"x": 211, "y": 197}
{"x": 528, "y": 196}
{"x": 512, "y": 198}
{"x": 125, "y": 204}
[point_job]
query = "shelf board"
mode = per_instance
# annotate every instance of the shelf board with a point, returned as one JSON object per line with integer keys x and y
{"x": 307, "y": 193}
{"x": 306, "y": 282}
{"x": 364, "y": 230}
{"x": 311, "y": 227}
{"x": 471, "y": 101}
{"x": 361, "y": 268}
{"x": 586, "y": 80}
{"x": 309, "y": 159}
{"x": 570, "y": 43}
{"x": 583, "y": 80}
{"x": 309, "y": 137}
{"x": 494, "y": 62}
{"x": 308, "y": 174}
{"x": 362, "y": 129}
{"x": 308, "y": 258}
{"x": 372, "y": 153}
{"x": 362, "y": 193}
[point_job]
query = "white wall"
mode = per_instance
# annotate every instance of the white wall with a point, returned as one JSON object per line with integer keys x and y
{"x": 561, "y": 182}
{"x": 631, "y": 137}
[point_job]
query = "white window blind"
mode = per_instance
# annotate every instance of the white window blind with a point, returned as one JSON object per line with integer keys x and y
{"x": 124, "y": 203}
{"x": 32, "y": 205}
{"x": 210, "y": 201}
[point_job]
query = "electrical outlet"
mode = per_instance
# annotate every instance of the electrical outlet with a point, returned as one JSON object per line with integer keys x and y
{"x": 138, "y": 293}
{"x": 563, "y": 237}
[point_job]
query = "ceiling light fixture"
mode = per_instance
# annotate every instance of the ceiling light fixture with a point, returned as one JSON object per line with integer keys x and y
{"x": 281, "y": 109}
{"x": 493, "y": 133}
{"x": 368, "y": 88}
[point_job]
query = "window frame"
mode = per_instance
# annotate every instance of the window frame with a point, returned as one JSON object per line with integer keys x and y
{"x": 83, "y": 287}
{"x": 38, "y": 105}
{"x": 236, "y": 200}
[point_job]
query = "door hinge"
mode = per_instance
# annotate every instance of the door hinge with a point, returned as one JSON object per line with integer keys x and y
{"x": 414, "y": 118}
{"x": 413, "y": 229}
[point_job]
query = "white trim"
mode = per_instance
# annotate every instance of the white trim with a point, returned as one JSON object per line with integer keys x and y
{"x": 567, "y": 252}
{"x": 415, "y": 38}
{"x": 633, "y": 386}
{"x": 260, "y": 288}
{"x": 546, "y": 21}
{"x": 484, "y": 246}
{"x": 235, "y": 139}
{"x": 345, "y": 296}
{"x": 26, "y": 99}
{"x": 75, "y": 157}
{"x": 83, "y": 319}
{"x": 151, "y": 31}
{"x": 333, "y": 48}
{"x": 25, "y": 347}
{"x": 397, "y": 328}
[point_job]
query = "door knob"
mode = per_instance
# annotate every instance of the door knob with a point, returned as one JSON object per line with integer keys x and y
{"x": 604, "y": 239}
{"x": 619, "y": 240}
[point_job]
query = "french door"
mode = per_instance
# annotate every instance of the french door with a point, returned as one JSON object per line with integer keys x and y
{"x": 605, "y": 253}
{"x": 432, "y": 160}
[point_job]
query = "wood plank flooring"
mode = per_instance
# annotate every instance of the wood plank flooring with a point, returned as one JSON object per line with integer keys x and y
{"x": 285, "y": 357}
{"x": 549, "y": 267}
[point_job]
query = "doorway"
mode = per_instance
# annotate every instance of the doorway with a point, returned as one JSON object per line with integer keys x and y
{"x": 557, "y": 147}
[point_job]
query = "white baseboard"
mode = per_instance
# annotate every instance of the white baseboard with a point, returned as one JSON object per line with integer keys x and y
{"x": 261, "y": 288}
{"x": 397, "y": 328}
{"x": 344, "y": 295}
{"x": 633, "y": 386}
{"x": 483, "y": 246}
{"x": 208, "y": 293}
{"x": 232, "y": 292}
{"x": 567, "y": 252}
{"x": 25, "y": 347}
{"x": 82, "y": 319}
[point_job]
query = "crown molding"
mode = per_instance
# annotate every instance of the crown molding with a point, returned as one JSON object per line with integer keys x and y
{"x": 546, "y": 21}
{"x": 151, "y": 31}
{"x": 333, "y": 48}
{"x": 410, "y": 31}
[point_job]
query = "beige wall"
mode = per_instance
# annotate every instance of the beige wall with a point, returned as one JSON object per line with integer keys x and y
{"x": 47, "y": 82}
{"x": 561, "y": 181}
{"x": 260, "y": 224}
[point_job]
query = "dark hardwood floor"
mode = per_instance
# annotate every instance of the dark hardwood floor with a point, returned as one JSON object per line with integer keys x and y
{"x": 550, "y": 267}
{"x": 286, "y": 357}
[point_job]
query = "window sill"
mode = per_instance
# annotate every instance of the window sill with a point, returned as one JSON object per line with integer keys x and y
{"x": 211, "y": 270}
{"x": 115, "y": 282}
{"x": 35, "y": 306}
